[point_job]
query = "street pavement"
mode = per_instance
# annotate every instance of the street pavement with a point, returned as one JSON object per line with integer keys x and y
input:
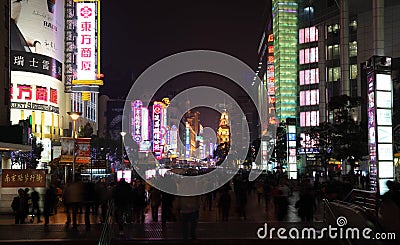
{"x": 210, "y": 229}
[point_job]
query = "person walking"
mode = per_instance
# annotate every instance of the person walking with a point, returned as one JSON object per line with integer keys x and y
{"x": 73, "y": 198}
{"x": 49, "y": 200}
{"x": 20, "y": 207}
{"x": 88, "y": 201}
{"x": 155, "y": 201}
{"x": 224, "y": 203}
{"x": 122, "y": 195}
{"x": 139, "y": 201}
{"x": 35, "y": 205}
{"x": 188, "y": 207}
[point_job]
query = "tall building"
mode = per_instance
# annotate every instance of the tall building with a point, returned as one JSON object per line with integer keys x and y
{"x": 285, "y": 57}
{"x": 330, "y": 44}
{"x": 5, "y": 64}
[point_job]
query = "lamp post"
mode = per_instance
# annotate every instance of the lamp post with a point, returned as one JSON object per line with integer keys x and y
{"x": 122, "y": 146}
{"x": 74, "y": 116}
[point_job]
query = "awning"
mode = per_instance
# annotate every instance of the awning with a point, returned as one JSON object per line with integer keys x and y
{"x": 4, "y": 146}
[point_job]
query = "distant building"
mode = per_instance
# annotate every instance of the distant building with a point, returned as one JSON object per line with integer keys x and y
{"x": 224, "y": 131}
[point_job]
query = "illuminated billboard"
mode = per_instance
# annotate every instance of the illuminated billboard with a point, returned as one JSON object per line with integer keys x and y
{"x": 37, "y": 27}
{"x": 380, "y": 131}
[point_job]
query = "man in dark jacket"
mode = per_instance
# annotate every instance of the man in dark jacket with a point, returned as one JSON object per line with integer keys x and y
{"x": 35, "y": 205}
{"x": 20, "y": 207}
{"x": 49, "y": 200}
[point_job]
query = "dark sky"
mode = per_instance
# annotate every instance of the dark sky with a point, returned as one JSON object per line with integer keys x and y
{"x": 136, "y": 34}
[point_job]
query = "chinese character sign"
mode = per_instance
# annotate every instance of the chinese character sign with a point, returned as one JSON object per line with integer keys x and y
{"x": 23, "y": 178}
{"x": 86, "y": 41}
{"x": 157, "y": 124}
{"x": 136, "y": 124}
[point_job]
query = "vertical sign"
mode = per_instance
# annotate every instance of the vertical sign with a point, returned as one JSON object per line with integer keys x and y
{"x": 291, "y": 145}
{"x": 380, "y": 129}
{"x": 174, "y": 138}
{"x": 137, "y": 121}
{"x": 187, "y": 141}
{"x": 271, "y": 81}
{"x": 157, "y": 124}
{"x": 371, "y": 131}
{"x": 145, "y": 144}
{"x": 86, "y": 41}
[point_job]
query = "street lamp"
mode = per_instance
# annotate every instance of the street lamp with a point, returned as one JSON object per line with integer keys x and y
{"x": 74, "y": 116}
{"x": 122, "y": 146}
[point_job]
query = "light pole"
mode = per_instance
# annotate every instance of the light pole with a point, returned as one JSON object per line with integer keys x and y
{"x": 74, "y": 116}
{"x": 122, "y": 146}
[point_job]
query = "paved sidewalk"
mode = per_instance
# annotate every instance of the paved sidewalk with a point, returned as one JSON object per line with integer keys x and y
{"x": 210, "y": 229}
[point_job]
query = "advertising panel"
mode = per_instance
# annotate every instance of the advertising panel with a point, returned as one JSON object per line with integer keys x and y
{"x": 37, "y": 29}
{"x": 23, "y": 178}
{"x": 67, "y": 150}
{"x": 83, "y": 151}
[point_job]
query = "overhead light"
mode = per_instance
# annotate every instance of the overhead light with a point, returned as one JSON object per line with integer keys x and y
{"x": 260, "y": 63}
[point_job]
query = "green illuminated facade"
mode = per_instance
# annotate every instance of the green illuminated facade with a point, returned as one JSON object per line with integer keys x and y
{"x": 285, "y": 51}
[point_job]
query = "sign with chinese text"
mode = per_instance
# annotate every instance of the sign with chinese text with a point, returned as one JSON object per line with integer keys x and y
{"x": 23, "y": 178}
{"x": 86, "y": 41}
{"x": 157, "y": 128}
{"x": 36, "y": 63}
{"x": 271, "y": 99}
{"x": 136, "y": 123}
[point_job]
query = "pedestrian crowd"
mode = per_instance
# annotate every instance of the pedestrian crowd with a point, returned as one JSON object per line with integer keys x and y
{"x": 132, "y": 200}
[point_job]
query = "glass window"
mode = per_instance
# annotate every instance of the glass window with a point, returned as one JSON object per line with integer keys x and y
{"x": 302, "y": 98}
{"x": 333, "y": 74}
{"x": 301, "y": 36}
{"x": 353, "y": 49}
{"x": 301, "y": 77}
{"x": 306, "y": 56}
{"x": 301, "y": 54}
{"x": 353, "y": 71}
{"x": 306, "y": 35}
{"x": 302, "y": 119}
{"x": 314, "y": 97}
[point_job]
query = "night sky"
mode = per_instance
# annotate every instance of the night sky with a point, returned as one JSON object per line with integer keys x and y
{"x": 136, "y": 34}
